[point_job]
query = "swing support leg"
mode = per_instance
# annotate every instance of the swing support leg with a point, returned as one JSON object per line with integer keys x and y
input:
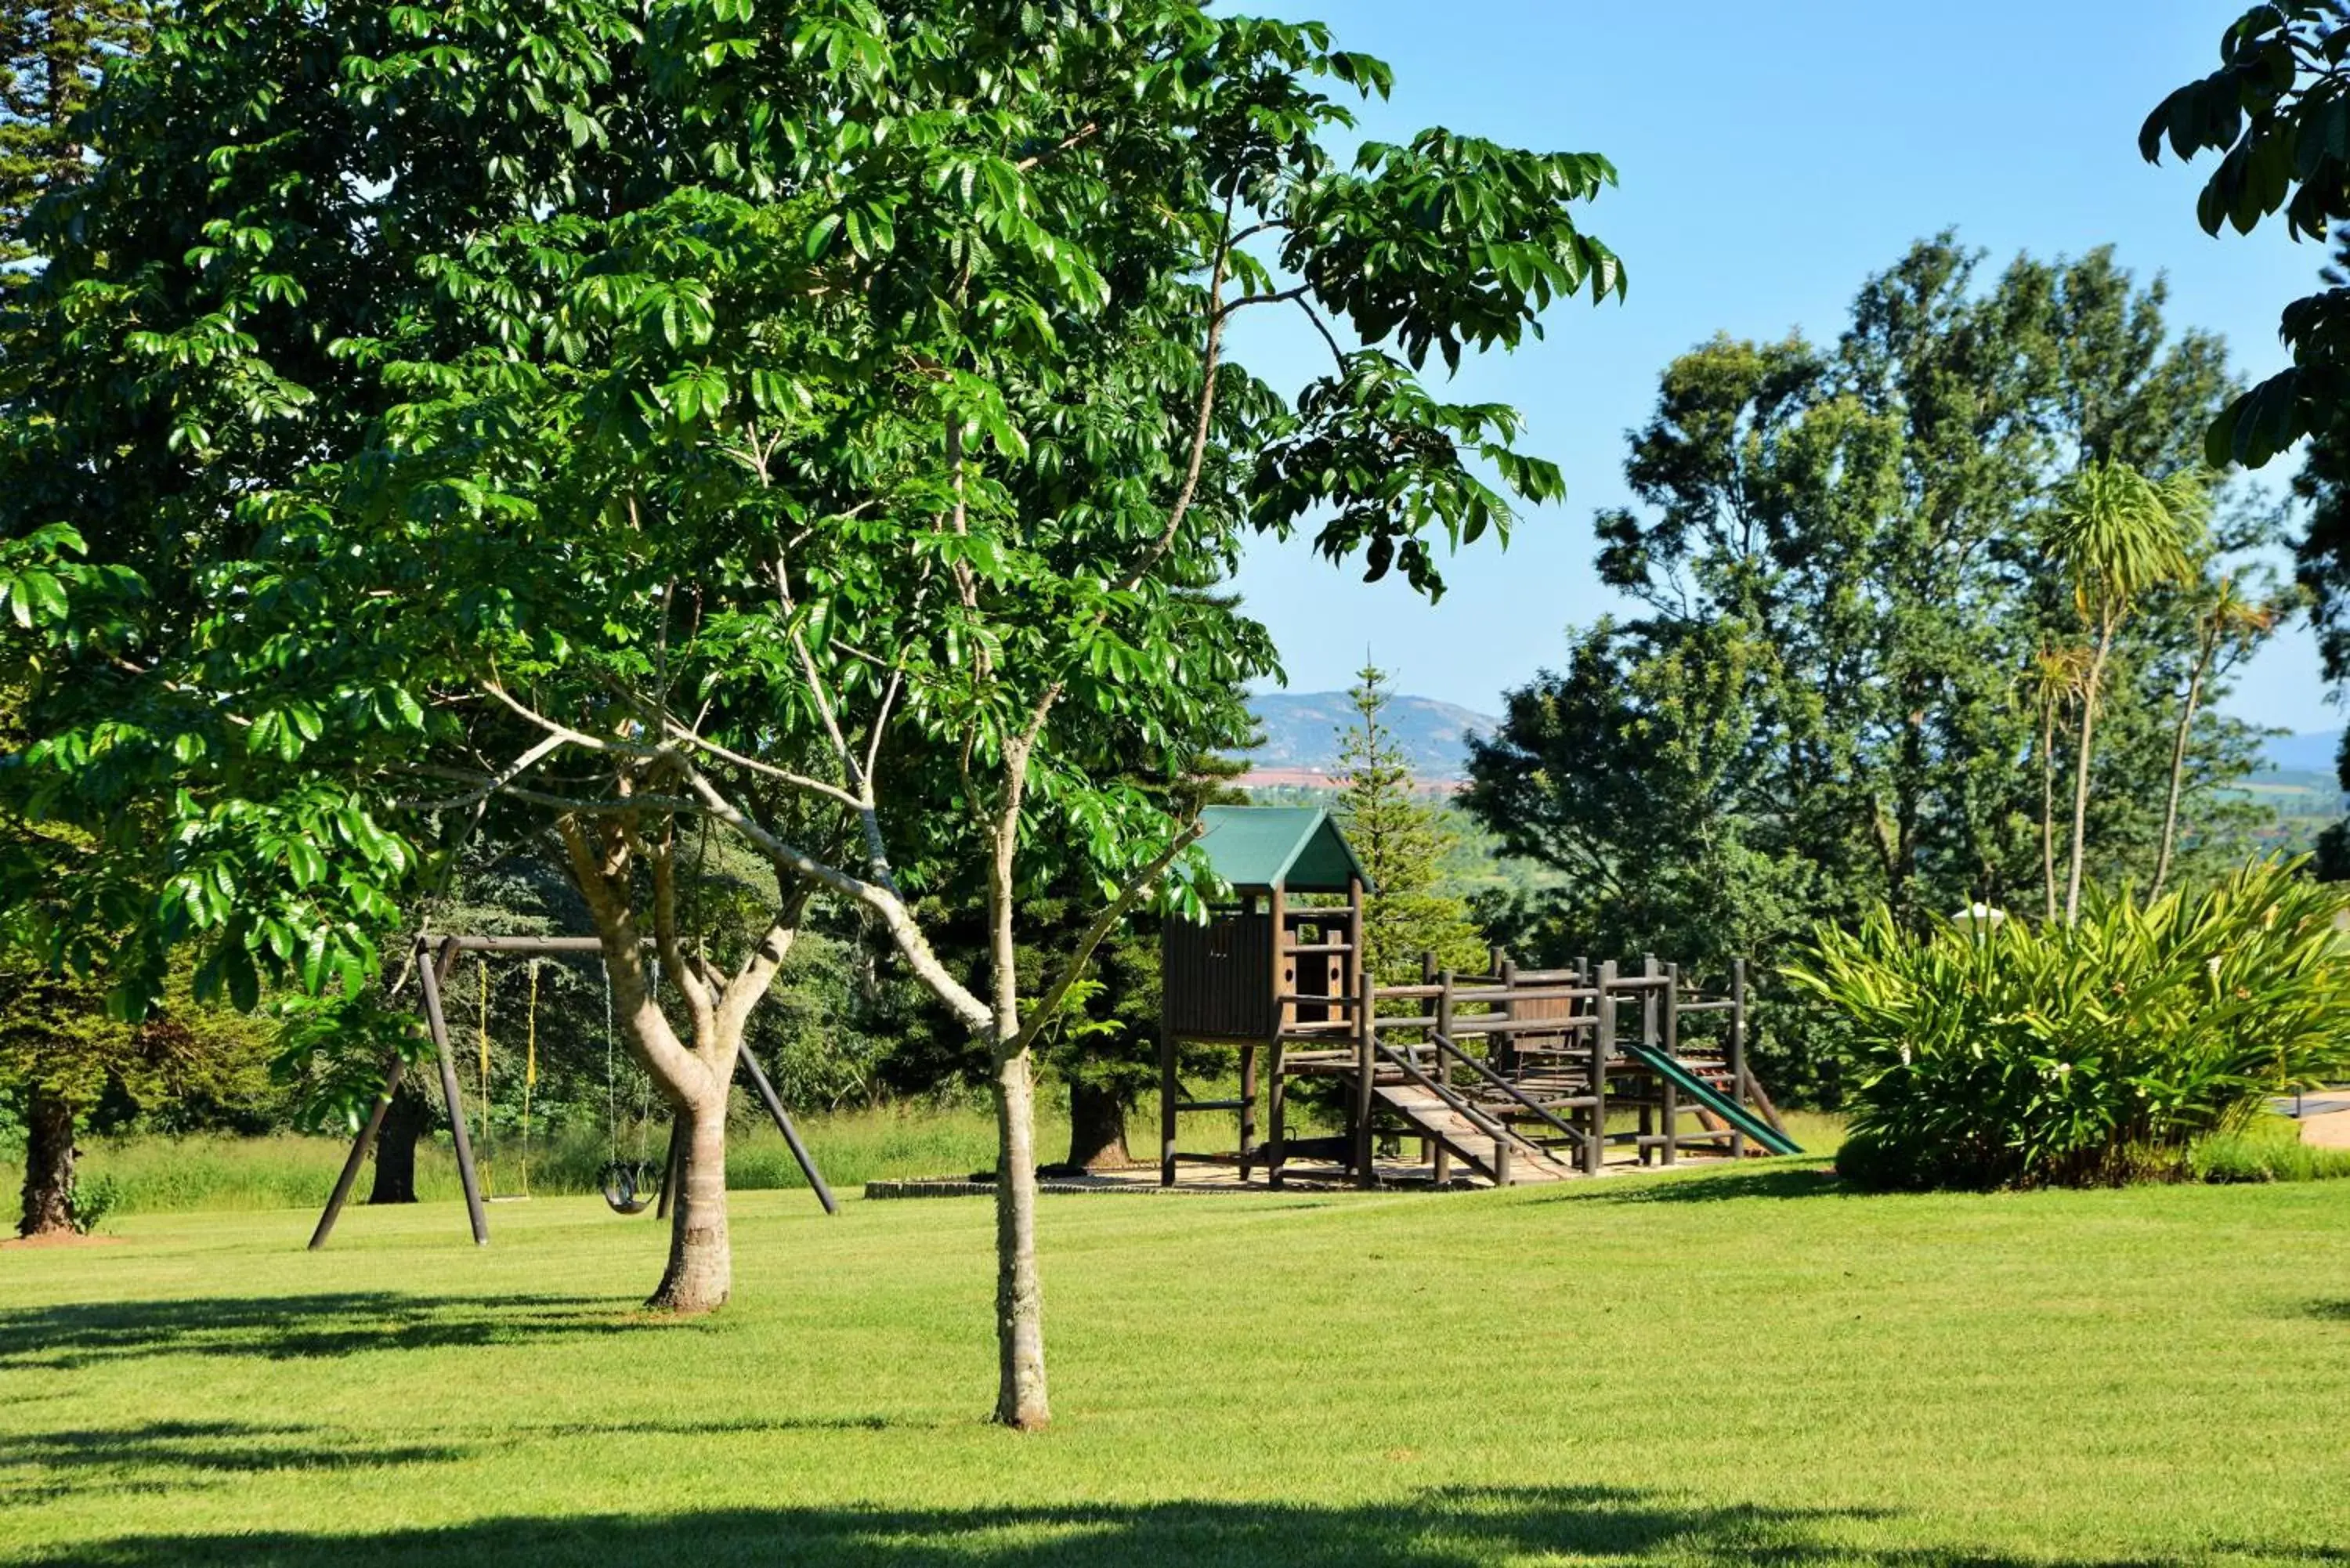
{"x": 359, "y": 1147}
{"x": 673, "y": 1169}
{"x": 439, "y": 1026}
{"x": 791, "y": 1134}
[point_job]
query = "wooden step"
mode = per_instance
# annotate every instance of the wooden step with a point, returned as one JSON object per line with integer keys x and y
{"x": 1430, "y": 1117}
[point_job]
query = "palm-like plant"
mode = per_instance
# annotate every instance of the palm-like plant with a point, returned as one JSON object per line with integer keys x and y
{"x": 2118, "y": 534}
{"x": 2022, "y": 1052}
{"x": 2054, "y": 679}
{"x": 2227, "y": 625}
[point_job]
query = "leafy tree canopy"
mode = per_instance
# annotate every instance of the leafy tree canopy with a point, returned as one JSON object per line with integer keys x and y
{"x": 630, "y": 417}
{"x": 1842, "y": 559}
{"x": 2277, "y": 111}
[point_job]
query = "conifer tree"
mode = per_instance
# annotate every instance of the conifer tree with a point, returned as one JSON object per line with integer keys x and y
{"x": 1402, "y": 842}
{"x": 52, "y": 57}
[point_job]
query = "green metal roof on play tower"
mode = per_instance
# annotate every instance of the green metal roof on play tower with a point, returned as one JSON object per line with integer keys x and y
{"x": 1297, "y": 849}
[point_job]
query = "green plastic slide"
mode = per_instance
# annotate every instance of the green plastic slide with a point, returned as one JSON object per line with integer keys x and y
{"x": 1710, "y": 1098}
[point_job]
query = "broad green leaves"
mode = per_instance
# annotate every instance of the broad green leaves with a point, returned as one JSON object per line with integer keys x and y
{"x": 2277, "y": 111}
{"x": 844, "y": 381}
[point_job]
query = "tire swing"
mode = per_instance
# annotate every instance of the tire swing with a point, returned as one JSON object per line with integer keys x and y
{"x": 630, "y": 1185}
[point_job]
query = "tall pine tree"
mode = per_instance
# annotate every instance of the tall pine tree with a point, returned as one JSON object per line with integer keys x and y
{"x": 1402, "y": 841}
{"x": 52, "y": 58}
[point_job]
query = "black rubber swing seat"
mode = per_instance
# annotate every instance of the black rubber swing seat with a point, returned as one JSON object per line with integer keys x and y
{"x": 631, "y": 1186}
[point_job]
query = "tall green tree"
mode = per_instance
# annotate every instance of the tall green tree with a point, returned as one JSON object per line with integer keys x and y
{"x": 1853, "y": 677}
{"x": 2230, "y": 625}
{"x": 2321, "y": 555}
{"x": 62, "y": 1054}
{"x": 52, "y": 58}
{"x": 2277, "y": 111}
{"x": 2119, "y": 537}
{"x": 1402, "y": 842}
{"x": 797, "y": 396}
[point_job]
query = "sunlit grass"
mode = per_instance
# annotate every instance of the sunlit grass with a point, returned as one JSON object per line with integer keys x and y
{"x": 1717, "y": 1368}
{"x": 159, "y": 1175}
{"x": 153, "y": 1175}
{"x": 2268, "y": 1150}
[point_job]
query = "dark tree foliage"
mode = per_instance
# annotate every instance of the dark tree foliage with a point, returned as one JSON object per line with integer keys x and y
{"x": 622, "y": 418}
{"x": 52, "y": 60}
{"x": 2321, "y": 559}
{"x": 2277, "y": 111}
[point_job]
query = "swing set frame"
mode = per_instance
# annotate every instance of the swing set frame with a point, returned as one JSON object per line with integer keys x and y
{"x": 435, "y": 956}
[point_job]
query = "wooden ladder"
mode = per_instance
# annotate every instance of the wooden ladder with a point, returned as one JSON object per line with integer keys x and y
{"x": 1506, "y": 1160}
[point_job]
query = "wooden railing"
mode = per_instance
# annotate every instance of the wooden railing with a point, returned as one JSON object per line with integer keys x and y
{"x": 1570, "y": 1042}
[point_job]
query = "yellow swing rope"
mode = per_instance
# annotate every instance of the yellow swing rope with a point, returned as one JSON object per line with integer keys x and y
{"x": 529, "y": 1075}
{"x": 482, "y": 1163}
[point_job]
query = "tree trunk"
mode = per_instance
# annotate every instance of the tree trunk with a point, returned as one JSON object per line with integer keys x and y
{"x": 1096, "y": 1128}
{"x": 404, "y": 1122}
{"x": 2081, "y": 775}
{"x": 1020, "y": 1399}
{"x": 700, "y": 1269}
{"x": 2048, "y": 806}
{"x": 2178, "y": 776}
{"x": 48, "y": 1165}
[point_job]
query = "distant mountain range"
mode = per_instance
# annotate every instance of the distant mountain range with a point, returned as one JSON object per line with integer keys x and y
{"x": 2302, "y": 753}
{"x": 1302, "y": 732}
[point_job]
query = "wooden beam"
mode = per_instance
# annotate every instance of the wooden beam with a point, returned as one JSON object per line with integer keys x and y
{"x": 774, "y": 1101}
{"x": 357, "y": 1158}
{"x": 428, "y": 977}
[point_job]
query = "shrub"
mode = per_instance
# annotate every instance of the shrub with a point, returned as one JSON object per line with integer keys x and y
{"x": 2007, "y": 1054}
{"x": 2268, "y": 1150}
{"x": 93, "y": 1201}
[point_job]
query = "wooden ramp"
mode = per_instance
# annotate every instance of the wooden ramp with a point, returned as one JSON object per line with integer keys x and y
{"x": 1429, "y": 1116}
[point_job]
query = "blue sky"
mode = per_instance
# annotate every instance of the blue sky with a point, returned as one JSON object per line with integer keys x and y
{"x": 1771, "y": 156}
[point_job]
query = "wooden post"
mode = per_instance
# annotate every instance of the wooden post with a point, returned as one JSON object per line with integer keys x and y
{"x": 1501, "y": 1050}
{"x": 1672, "y": 1048}
{"x": 672, "y": 1166}
{"x": 774, "y": 1101}
{"x": 1277, "y": 1099}
{"x": 1440, "y": 1158}
{"x": 1285, "y": 967}
{"x": 1166, "y": 1086}
{"x": 1367, "y": 1057}
{"x": 1603, "y": 1050}
{"x": 1248, "y": 1110}
{"x": 1284, "y": 1019}
{"x": 1737, "y": 1049}
{"x": 359, "y": 1147}
{"x": 428, "y": 978}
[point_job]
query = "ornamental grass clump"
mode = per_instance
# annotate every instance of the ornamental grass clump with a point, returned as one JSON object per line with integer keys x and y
{"x": 2005, "y": 1053}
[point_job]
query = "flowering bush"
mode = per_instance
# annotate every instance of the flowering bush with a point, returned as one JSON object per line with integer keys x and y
{"x": 2004, "y": 1054}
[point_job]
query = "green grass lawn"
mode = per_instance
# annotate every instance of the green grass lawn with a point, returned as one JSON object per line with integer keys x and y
{"x": 1732, "y": 1367}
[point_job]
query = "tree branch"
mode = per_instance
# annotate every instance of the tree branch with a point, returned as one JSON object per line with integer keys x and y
{"x": 883, "y": 901}
{"x": 1048, "y": 1006}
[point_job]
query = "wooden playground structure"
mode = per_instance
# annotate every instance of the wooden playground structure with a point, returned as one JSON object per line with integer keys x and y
{"x": 1516, "y": 1075}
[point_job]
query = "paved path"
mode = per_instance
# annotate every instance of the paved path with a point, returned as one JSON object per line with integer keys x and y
{"x": 2330, "y": 1130}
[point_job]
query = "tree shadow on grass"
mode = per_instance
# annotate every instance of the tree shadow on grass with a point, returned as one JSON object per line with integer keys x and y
{"x": 2333, "y": 1309}
{"x": 1443, "y": 1529}
{"x": 1721, "y": 1187}
{"x": 174, "y": 1456}
{"x": 295, "y": 1327}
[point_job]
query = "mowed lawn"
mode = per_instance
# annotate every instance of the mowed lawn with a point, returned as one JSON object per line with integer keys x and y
{"x": 1736, "y": 1366}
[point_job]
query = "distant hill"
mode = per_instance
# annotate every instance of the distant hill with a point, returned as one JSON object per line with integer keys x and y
{"x": 2302, "y": 753}
{"x": 1302, "y": 731}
